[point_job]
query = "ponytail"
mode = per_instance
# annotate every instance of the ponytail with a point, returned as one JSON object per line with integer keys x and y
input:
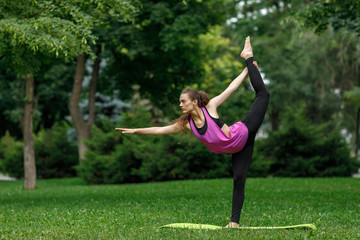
{"x": 203, "y": 99}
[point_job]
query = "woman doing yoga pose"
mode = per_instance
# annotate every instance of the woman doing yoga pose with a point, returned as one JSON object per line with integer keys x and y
{"x": 200, "y": 116}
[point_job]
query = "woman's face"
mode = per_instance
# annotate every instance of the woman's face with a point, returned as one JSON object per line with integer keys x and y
{"x": 186, "y": 104}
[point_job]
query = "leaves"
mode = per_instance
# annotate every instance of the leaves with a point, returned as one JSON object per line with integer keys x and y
{"x": 51, "y": 37}
{"x": 340, "y": 14}
{"x": 55, "y": 29}
{"x": 160, "y": 51}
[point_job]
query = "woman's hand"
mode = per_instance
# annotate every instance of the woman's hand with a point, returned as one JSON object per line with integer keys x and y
{"x": 126, "y": 130}
{"x": 175, "y": 128}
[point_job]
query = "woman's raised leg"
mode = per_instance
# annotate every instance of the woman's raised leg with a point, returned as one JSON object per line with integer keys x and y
{"x": 256, "y": 114}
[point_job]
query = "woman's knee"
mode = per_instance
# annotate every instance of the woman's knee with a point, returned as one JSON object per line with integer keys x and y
{"x": 265, "y": 93}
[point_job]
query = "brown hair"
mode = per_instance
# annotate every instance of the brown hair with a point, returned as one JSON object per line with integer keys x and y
{"x": 202, "y": 100}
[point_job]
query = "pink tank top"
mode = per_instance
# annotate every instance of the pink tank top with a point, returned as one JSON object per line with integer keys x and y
{"x": 216, "y": 140}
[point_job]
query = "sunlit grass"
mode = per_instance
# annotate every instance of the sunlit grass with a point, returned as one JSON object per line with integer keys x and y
{"x": 70, "y": 209}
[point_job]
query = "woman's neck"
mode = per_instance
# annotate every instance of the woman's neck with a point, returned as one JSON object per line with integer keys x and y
{"x": 197, "y": 114}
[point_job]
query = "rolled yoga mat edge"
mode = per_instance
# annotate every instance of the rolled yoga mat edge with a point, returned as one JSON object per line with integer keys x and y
{"x": 214, "y": 227}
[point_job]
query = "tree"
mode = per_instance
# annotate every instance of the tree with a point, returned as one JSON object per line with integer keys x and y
{"x": 161, "y": 52}
{"x": 301, "y": 67}
{"x": 82, "y": 126}
{"x": 340, "y": 14}
{"x": 344, "y": 18}
{"x": 261, "y": 20}
{"x": 222, "y": 63}
{"x": 32, "y": 33}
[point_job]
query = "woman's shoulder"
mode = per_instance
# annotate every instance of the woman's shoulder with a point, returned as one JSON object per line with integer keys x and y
{"x": 212, "y": 110}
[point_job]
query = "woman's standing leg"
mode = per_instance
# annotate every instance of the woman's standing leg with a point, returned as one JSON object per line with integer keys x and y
{"x": 241, "y": 162}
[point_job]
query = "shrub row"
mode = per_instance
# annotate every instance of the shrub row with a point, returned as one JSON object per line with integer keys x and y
{"x": 114, "y": 157}
{"x": 55, "y": 154}
{"x": 300, "y": 149}
{"x": 297, "y": 149}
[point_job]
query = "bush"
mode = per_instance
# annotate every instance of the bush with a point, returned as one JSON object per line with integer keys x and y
{"x": 117, "y": 158}
{"x": 55, "y": 155}
{"x": 259, "y": 166}
{"x": 300, "y": 149}
{"x": 11, "y": 156}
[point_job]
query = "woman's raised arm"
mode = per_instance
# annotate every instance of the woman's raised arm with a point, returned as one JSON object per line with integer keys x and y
{"x": 220, "y": 99}
{"x": 171, "y": 129}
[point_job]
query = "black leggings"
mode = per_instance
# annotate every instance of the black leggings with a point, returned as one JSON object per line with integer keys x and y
{"x": 241, "y": 160}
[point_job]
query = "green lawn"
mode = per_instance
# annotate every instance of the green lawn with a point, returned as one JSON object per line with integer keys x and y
{"x": 70, "y": 209}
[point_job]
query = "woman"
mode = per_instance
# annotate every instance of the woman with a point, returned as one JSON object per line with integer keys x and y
{"x": 200, "y": 116}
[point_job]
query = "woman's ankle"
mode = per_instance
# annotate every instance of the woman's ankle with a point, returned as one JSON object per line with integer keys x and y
{"x": 249, "y": 60}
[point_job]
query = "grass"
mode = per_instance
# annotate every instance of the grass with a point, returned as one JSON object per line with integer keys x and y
{"x": 70, "y": 209}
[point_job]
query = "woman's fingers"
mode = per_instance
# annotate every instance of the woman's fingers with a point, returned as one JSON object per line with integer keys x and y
{"x": 125, "y": 130}
{"x": 255, "y": 63}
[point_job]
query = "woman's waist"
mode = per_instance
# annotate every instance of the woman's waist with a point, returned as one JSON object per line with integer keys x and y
{"x": 238, "y": 128}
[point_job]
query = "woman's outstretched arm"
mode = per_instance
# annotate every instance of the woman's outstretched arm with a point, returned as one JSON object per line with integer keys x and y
{"x": 171, "y": 129}
{"x": 220, "y": 99}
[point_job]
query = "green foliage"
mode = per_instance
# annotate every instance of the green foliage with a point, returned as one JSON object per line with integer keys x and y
{"x": 340, "y": 14}
{"x": 55, "y": 155}
{"x": 115, "y": 158}
{"x": 260, "y": 164}
{"x": 201, "y": 162}
{"x": 352, "y": 97}
{"x": 11, "y": 91}
{"x": 222, "y": 64}
{"x": 52, "y": 88}
{"x": 32, "y": 30}
{"x": 11, "y": 156}
{"x": 300, "y": 149}
{"x": 160, "y": 51}
{"x": 299, "y": 65}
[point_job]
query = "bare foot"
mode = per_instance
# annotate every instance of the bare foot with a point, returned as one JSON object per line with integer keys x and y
{"x": 232, "y": 225}
{"x": 247, "y": 51}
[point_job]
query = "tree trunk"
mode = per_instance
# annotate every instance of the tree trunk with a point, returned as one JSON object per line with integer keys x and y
{"x": 274, "y": 121}
{"x": 92, "y": 90}
{"x": 76, "y": 115}
{"x": 29, "y": 153}
{"x": 357, "y": 134}
{"x": 83, "y": 127}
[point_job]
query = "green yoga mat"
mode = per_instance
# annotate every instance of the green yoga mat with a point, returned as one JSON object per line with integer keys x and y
{"x": 214, "y": 227}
